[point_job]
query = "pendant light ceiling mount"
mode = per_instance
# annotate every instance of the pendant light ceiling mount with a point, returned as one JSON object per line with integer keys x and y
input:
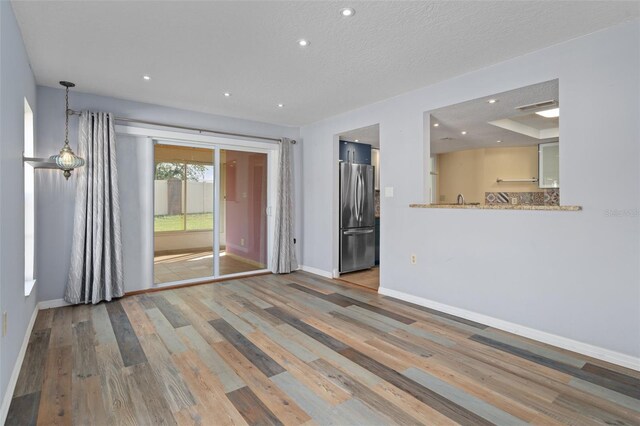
{"x": 67, "y": 84}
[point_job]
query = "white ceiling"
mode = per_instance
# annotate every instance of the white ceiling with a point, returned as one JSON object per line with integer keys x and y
{"x": 475, "y": 116}
{"x": 196, "y": 51}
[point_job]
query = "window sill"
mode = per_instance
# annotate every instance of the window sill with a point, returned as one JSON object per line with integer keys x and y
{"x": 28, "y": 287}
{"x": 496, "y": 207}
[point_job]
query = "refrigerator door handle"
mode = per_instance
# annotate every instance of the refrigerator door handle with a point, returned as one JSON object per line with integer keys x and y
{"x": 357, "y": 197}
{"x": 358, "y": 232}
{"x": 362, "y": 196}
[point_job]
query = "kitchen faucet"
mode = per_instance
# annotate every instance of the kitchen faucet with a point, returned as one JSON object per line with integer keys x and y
{"x": 460, "y": 199}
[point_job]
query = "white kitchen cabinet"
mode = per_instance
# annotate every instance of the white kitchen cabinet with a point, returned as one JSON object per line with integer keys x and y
{"x": 549, "y": 165}
{"x": 375, "y": 162}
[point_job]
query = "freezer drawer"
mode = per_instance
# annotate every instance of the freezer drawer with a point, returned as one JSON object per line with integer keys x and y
{"x": 357, "y": 249}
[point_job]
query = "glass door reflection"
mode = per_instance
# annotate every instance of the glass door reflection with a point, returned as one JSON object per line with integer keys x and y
{"x": 243, "y": 218}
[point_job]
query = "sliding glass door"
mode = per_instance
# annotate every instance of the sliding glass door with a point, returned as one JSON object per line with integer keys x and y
{"x": 243, "y": 206}
{"x": 210, "y": 212}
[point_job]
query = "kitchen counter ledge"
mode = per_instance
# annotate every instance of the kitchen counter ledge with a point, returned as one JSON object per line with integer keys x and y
{"x": 495, "y": 207}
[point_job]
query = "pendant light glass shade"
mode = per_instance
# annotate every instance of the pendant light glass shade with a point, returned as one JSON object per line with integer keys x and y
{"x": 67, "y": 160}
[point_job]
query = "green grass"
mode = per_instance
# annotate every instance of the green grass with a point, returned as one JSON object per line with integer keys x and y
{"x": 201, "y": 221}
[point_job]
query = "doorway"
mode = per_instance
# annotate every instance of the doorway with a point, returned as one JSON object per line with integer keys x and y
{"x": 358, "y": 148}
{"x": 210, "y": 212}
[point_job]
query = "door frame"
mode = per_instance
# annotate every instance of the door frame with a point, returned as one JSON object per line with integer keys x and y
{"x": 335, "y": 213}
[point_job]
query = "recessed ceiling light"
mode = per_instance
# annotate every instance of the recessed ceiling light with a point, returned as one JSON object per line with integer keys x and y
{"x": 464, "y": 132}
{"x": 146, "y": 77}
{"x": 498, "y": 141}
{"x": 227, "y": 94}
{"x": 280, "y": 105}
{"x": 347, "y": 11}
{"x": 550, "y": 113}
{"x": 356, "y": 140}
{"x": 303, "y": 43}
{"x": 436, "y": 124}
{"x": 492, "y": 101}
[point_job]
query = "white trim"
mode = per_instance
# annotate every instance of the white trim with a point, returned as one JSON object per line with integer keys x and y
{"x": 13, "y": 380}
{"x": 28, "y": 287}
{"x": 603, "y": 354}
{"x": 316, "y": 271}
{"x": 54, "y": 303}
{"x": 175, "y": 137}
{"x": 217, "y": 195}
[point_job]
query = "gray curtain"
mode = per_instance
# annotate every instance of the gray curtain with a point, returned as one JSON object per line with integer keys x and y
{"x": 96, "y": 255}
{"x": 284, "y": 252}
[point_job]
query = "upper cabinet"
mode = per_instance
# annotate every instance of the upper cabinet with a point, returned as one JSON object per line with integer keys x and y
{"x": 375, "y": 162}
{"x": 549, "y": 165}
{"x": 352, "y": 152}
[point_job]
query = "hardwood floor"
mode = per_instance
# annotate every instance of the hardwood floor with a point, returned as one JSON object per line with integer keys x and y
{"x": 301, "y": 349}
{"x": 369, "y": 278}
{"x": 186, "y": 265}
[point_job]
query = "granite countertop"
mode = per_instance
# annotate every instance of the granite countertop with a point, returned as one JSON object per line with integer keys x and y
{"x": 495, "y": 207}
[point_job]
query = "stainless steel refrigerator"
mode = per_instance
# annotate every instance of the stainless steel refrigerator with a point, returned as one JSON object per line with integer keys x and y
{"x": 357, "y": 217}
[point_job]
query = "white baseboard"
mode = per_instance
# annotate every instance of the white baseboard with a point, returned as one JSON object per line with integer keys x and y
{"x": 13, "y": 380}
{"x": 54, "y": 303}
{"x": 603, "y": 354}
{"x": 316, "y": 271}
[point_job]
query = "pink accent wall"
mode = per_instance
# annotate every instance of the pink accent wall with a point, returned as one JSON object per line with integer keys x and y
{"x": 246, "y": 202}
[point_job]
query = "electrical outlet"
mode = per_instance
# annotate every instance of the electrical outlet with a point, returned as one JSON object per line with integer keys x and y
{"x": 514, "y": 200}
{"x": 5, "y": 319}
{"x": 413, "y": 259}
{"x": 242, "y": 242}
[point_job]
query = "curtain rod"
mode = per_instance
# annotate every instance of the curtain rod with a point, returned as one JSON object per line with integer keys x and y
{"x": 177, "y": 126}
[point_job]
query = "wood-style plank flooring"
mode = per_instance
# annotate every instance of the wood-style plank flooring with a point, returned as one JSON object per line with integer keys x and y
{"x": 193, "y": 264}
{"x": 369, "y": 278}
{"x": 300, "y": 349}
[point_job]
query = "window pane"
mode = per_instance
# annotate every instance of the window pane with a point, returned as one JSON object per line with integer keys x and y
{"x": 184, "y": 191}
{"x": 169, "y": 197}
{"x": 200, "y": 196}
{"x": 29, "y": 203}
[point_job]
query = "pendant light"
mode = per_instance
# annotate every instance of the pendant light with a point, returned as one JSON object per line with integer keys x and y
{"x": 67, "y": 160}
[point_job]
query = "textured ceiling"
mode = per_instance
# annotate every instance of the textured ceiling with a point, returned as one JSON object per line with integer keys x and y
{"x": 196, "y": 51}
{"x": 474, "y": 117}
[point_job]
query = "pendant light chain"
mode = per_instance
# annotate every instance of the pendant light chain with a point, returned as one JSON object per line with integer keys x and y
{"x": 66, "y": 116}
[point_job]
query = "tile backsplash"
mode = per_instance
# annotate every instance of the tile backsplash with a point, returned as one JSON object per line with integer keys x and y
{"x": 548, "y": 197}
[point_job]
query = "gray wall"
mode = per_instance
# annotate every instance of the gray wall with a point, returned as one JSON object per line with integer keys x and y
{"x": 572, "y": 274}
{"x": 16, "y": 83}
{"x": 135, "y": 167}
